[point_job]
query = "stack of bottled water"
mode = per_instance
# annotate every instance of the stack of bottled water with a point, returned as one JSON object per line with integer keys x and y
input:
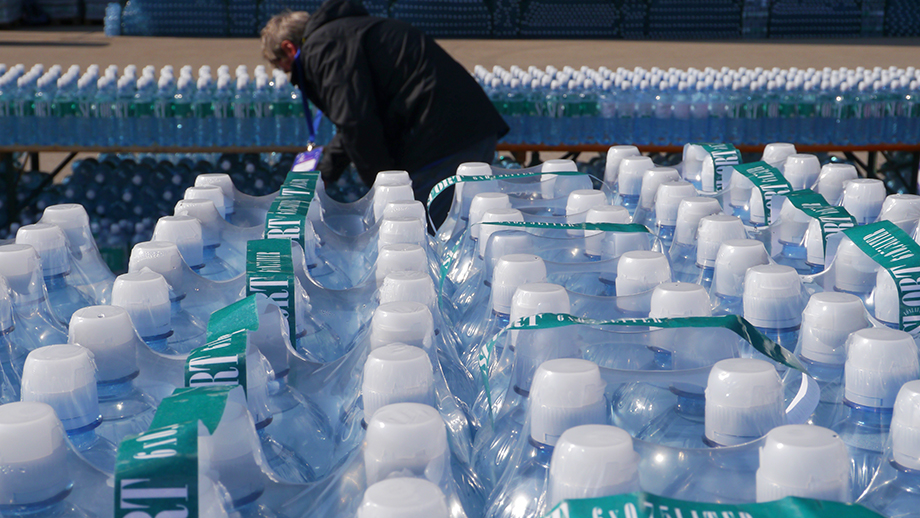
{"x": 583, "y": 19}
{"x": 682, "y": 19}
{"x": 446, "y": 18}
{"x": 710, "y": 333}
{"x": 670, "y": 107}
{"x": 42, "y": 107}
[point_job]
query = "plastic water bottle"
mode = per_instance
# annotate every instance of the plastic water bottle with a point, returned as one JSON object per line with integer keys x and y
{"x": 403, "y": 498}
{"x": 683, "y": 252}
{"x": 51, "y": 244}
{"x": 224, "y": 125}
{"x": 241, "y": 109}
{"x": 125, "y": 127}
{"x": 592, "y": 461}
{"x": 773, "y": 301}
{"x": 632, "y": 169}
{"x": 551, "y": 413}
{"x": 108, "y": 333}
{"x": 801, "y": 171}
{"x": 667, "y": 202}
{"x": 712, "y": 232}
{"x": 638, "y": 272}
{"x": 36, "y": 476}
{"x": 396, "y": 373}
{"x": 146, "y": 297}
{"x": 732, "y": 262}
{"x": 579, "y": 201}
{"x": 615, "y": 156}
{"x": 804, "y": 461}
{"x": 63, "y": 376}
{"x": 831, "y": 181}
{"x": 855, "y": 272}
{"x": 903, "y": 210}
{"x": 36, "y": 324}
{"x": 863, "y": 199}
{"x": 879, "y": 361}
{"x": 203, "y": 112}
{"x": 12, "y": 354}
{"x": 165, "y": 134}
{"x": 652, "y": 179}
{"x": 891, "y": 491}
{"x": 410, "y": 439}
{"x": 827, "y": 321}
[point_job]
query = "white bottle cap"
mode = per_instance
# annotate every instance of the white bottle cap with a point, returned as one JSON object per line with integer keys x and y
{"x": 408, "y": 286}
{"x": 680, "y": 299}
{"x": 599, "y": 243}
{"x": 495, "y": 215}
{"x": 740, "y": 189}
{"x": 145, "y": 296}
{"x": 805, "y": 461}
{"x": 385, "y": 194}
{"x": 396, "y": 373}
{"x": 708, "y": 176}
{"x": 185, "y": 232}
{"x": 403, "y": 498}
{"x": 482, "y": 203}
{"x": 225, "y": 183}
{"x": 464, "y": 192}
{"x": 72, "y": 219}
{"x": 615, "y": 156}
{"x": 402, "y": 230}
{"x": 400, "y": 257}
{"x": 406, "y": 439}
{"x": 392, "y": 177}
{"x": 776, "y": 153}
{"x": 402, "y": 322}
{"x": 744, "y": 401}
{"x": 209, "y": 192}
{"x": 506, "y": 243}
{"x": 50, "y": 243}
{"x": 901, "y": 209}
{"x": 590, "y": 461}
{"x": 539, "y": 297}
{"x": 827, "y": 321}
{"x": 404, "y": 209}
{"x": 773, "y": 296}
{"x": 879, "y": 361}
{"x": 566, "y": 392}
{"x": 232, "y": 451}
{"x": 206, "y": 214}
{"x": 63, "y": 376}
{"x": 632, "y": 169}
{"x": 713, "y": 231}
{"x": 512, "y": 271}
{"x": 558, "y": 165}
{"x": 863, "y": 199}
{"x": 853, "y": 270}
{"x": 162, "y": 257}
{"x": 33, "y": 454}
{"x": 21, "y": 265}
{"x": 832, "y": 179}
{"x": 905, "y": 426}
{"x": 689, "y": 214}
{"x": 651, "y": 180}
{"x": 801, "y": 170}
{"x": 581, "y": 200}
{"x": 108, "y": 333}
{"x": 668, "y": 200}
{"x": 794, "y": 224}
{"x": 639, "y": 271}
{"x": 607, "y": 214}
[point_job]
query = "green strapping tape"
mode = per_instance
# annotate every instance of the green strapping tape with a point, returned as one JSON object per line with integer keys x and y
{"x": 734, "y": 323}
{"x": 889, "y": 246}
{"x": 270, "y": 270}
{"x": 832, "y": 219}
{"x": 645, "y": 505}
{"x": 768, "y": 180}
{"x": 724, "y": 158}
{"x": 447, "y": 182}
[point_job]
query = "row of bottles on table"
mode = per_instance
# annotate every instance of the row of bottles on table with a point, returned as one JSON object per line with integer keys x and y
{"x": 670, "y": 107}
{"x": 394, "y": 374}
{"x": 140, "y": 108}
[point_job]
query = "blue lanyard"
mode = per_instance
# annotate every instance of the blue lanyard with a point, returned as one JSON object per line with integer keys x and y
{"x": 312, "y": 122}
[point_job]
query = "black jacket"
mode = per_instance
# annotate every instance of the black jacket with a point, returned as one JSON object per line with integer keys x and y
{"x": 398, "y": 100}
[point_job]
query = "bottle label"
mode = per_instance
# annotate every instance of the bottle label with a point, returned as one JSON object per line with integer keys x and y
{"x": 895, "y": 251}
{"x": 287, "y": 219}
{"x": 270, "y": 271}
{"x": 724, "y": 158}
{"x": 156, "y": 472}
{"x": 300, "y": 184}
{"x": 220, "y": 362}
{"x": 447, "y": 182}
{"x": 733, "y": 323}
{"x": 768, "y": 180}
{"x": 645, "y": 505}
{"x": 832, "y": 219}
